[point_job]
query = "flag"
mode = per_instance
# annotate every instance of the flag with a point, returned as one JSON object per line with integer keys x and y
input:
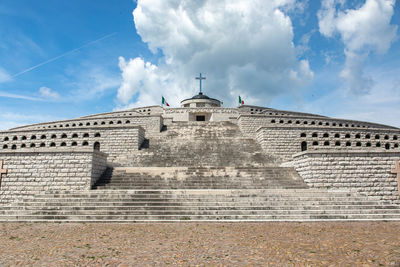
{"x": 241, "y": 102}
{"x": 164, "y": 102}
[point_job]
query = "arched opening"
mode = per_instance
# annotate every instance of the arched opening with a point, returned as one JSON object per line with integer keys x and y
{"x": 303, "y": 135}
{"x": 96, "y": 146}
{"x": 337, "y": 143}
{"x": 315, "y": 143}
{"x": 348, "y": 143}
{"x": 85, "y": 135}
{"x": 358, "y": 136}
{"x": 303, "y": 146}
{"x": 14, "y": 147}
{"x": 63, "y": 144}
{"x": 97, "y": 135}
{"x": 326, "y": 143}
{"x": 5, "y": 146}
{"x": 326, "y": 135}
{"x": 33, "y": 137}
{"x": 127, "y": 122}
{"x": 337, "y": 135}
{"x": 53, "y": 144}
{"x": 315, "y": 135}
{"x": 387, "y": 146}
{"x": 85, "y": 143}
{"x": 15, "y": 138}
{"x": 368, "y": 144}
{"x": 272, "y": 121}
{"x": 74, "y": 144}
{"x": 33, "y": 145}
{"x": 42, "y": 145}
{"x": 88, "y": 124}
{"x": 75, "y": 135}
{"x": 358, "y": 144}
{"x": 23, "y": 145}
{"x": 378, "y": 144}
{"x": 64, "y": 136}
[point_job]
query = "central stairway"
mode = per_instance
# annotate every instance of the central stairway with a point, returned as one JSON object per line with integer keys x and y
{"x": 199, "y": 172}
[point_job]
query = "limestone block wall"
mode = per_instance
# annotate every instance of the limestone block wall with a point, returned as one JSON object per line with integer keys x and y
{"x": 284, "y": 141}
{"x": 31, "y": 172}
{"x": 215, "y": 114}
{"x": 368, "y": 173}
{"x": 250, "y": 123}
{"x": 114, "y": 140}
{"x": 150, "y": 123}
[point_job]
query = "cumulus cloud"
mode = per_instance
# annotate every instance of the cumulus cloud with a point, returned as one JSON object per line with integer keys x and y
{"x": 363, "y": 30}
{"x": 243, "y": 47}
{"x": 46, "y": 92}
{"x": 4, "y": 76}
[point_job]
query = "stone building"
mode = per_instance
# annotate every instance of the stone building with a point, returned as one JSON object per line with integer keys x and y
{"x": 198, "y": 162}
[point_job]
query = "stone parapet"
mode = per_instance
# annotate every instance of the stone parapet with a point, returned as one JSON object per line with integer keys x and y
{"x": 31, "y": 172}
{"x": 151, "y": 123}
{"x": 363, "y": 172}
{"x": 250, "y": 123}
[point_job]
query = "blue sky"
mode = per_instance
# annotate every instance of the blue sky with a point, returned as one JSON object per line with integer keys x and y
{"x": 64, "y": 59}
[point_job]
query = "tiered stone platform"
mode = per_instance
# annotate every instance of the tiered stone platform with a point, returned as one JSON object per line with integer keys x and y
{"x": 199, "y": 172}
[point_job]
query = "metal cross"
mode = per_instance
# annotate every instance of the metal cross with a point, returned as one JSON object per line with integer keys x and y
{"x": 397, "y": 171}
{"x": 200, "y": 78}
{"x": 2, "y": 171}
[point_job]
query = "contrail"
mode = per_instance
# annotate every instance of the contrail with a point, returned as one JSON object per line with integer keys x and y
{"x": 62, "y": 55}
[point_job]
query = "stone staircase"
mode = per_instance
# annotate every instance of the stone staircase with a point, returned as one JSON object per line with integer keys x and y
{"x": 200, "y": 178}
{"x": 199, "y": 144}
{"x": 199, "y": 172}
{"x": 198, "y": 205}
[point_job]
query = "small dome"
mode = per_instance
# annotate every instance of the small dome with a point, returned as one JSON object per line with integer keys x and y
{"x": 200, "y": 100}
{"x": 200, "y": 96}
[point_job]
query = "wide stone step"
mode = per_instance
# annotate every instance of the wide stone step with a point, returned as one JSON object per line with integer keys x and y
{"x": 197, "y": 212}
{"x": 171, "y": 218}
{"x": 197, "y": 207}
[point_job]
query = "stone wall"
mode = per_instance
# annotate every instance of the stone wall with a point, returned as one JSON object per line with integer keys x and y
{"x": 114, "y": 140}
{"x": 214, "y": 114}
{"x": 250, "y": 123}
{"x": 31, "y": 172}
{"x": 150, "y": 123}
{"x": 284, "y": 141}
{"x": 368, "y": 173}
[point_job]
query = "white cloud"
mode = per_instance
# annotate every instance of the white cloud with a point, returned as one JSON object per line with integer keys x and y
{"x": 363, "y": 30}
{"x": 243, "y": 47}
{"x": 46, "y": 92}
{"x": 4, "y": 76}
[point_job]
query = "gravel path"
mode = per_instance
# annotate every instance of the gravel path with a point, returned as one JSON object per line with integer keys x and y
{"x": 203, "y": 244}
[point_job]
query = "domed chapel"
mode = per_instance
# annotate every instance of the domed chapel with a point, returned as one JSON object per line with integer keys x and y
{"x": 200, "y": 162}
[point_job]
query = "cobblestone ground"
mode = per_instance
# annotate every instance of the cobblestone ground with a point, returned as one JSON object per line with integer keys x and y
{"x": 203, "y": 244}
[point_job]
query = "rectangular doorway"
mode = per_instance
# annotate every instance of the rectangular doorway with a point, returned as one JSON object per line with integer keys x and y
{"x": 200, "y": 118}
